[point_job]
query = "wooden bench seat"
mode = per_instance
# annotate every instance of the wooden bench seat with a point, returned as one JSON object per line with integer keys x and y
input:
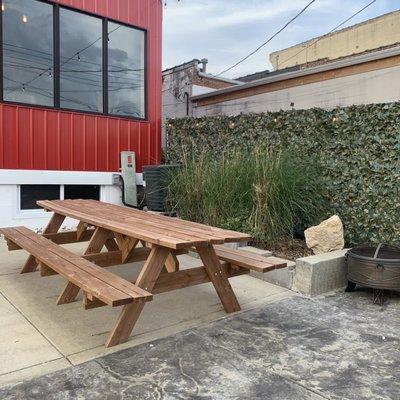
{"x": 247, "y": 259}
{"x": 97, "y": 283}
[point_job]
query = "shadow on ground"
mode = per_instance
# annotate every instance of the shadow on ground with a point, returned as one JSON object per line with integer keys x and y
{"x": 339, "y": 347}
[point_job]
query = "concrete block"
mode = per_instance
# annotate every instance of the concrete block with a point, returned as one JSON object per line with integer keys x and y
{"x": 260, "y": 252}
{"x": 282, "y": 277}
{"x": 320, "y": 273}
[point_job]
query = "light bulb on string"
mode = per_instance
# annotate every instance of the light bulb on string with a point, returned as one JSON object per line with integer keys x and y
{"x": 79, "y": 57}
{"x": 24, "y": 19}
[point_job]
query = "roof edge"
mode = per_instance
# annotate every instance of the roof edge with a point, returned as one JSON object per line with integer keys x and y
{"x": 304, "y": 72}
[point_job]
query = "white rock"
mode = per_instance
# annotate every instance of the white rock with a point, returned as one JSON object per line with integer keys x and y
{"x": 325, "y": 237}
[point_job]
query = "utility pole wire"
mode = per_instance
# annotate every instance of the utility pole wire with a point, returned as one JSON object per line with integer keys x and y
{"x": 331, "y": 31}
{"x": 271, "y": 38}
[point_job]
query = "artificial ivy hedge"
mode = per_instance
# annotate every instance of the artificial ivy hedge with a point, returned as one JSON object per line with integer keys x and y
{"x": 358, "y": 150}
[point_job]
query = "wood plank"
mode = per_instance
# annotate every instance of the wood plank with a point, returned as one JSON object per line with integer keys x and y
{"x": 190, "y": 277}
{"x": 227, "y": 235}
{"x": 69, "y": 237}
{"x": 113, "y": 258}
{"x": 246, "y": 259}
{"x": 125, "y": 229}
{"x": 46, "y": 271}
{"x": 53, "y": 226}
{"x": 111, "y": 245}
{"x": 165, "y": 224}
{"x": 80, "y": 230}
{"x": 88, "y": 282}
{"x": 91, "y": 303}
{"x": 186, "y": 278}
{"x": 98, "y": 273}
{"x": 126, "y": 244}
{"x": 97, "y": 241}
{"x": 172, "y": 263}
{"x": 59, "y": 238}
{"x": 219, "y": 279}
{"x": 146, "y": 280}
{"x": 100, "y": 209}
{"x": 11, "y": 246}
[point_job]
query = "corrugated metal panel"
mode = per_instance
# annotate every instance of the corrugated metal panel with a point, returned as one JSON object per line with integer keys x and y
{"x": 37, "y": 138}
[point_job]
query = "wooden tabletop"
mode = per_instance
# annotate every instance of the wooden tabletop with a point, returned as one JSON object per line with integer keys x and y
{"x": 160, "y": 230}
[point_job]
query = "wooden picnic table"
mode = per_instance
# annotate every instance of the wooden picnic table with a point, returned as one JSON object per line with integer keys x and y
{"x": 120, "y": 229}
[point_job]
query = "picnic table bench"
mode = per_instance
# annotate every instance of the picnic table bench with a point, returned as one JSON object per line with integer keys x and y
{"x": 120, "y": 229}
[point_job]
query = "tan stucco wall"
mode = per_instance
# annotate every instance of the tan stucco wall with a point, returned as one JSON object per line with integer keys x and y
{"x": 379, "y": 32}
{"x": 371, "y": 87}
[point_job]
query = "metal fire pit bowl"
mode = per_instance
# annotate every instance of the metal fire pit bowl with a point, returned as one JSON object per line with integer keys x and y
{"x": 377, "y": 267}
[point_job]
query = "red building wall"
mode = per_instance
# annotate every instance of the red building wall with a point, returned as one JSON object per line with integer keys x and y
{"x": 48, "y": 139}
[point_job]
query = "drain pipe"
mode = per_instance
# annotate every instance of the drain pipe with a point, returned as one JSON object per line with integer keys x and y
{"x": 187, "y": 96}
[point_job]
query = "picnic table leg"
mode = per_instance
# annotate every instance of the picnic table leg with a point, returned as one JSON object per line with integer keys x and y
{"x": 98, "y": 240}
{"x": 52, "y": 227}
{"x": 146, "y": 280}
{"x": 172, "y": 263}
{"x": 219, "y": 278}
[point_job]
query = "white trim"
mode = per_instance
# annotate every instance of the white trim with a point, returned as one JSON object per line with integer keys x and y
{"x": 41, "y": 177}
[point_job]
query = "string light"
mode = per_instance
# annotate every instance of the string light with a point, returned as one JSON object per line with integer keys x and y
{"x": 23, "y": 87}
{"x": 50, "y": 73}
{"x": 24, "y": 19}
{"x": 275, "y": 120}
{"x": 3, "y": 7}
{"x": 165, "y": 3}
{"x": 79, "y": 56}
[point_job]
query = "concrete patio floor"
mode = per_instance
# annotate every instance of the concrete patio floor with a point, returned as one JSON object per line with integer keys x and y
{"x": 38, "y": 337}
{"x": 340, "y": 347}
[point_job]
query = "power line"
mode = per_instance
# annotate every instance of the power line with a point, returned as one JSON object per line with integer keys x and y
{"x": 332, "y": 30}
{"x": 271, "y": 38}
{"x": 76, "y": 54}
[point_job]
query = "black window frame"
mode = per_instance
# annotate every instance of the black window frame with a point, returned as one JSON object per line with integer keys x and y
{"x": 56, "y": 55}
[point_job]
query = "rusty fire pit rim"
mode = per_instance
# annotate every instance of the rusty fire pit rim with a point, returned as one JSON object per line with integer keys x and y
{"x": 352, "y": 252}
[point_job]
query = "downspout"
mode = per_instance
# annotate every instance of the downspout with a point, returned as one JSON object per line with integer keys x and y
{"x": 187, "y": 97}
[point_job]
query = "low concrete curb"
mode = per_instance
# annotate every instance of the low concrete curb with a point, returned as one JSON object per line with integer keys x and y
{"x": 310, "y": 276}
{"x": 321, "y": 273}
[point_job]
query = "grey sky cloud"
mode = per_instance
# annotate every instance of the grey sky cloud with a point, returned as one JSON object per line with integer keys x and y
{"x": 226, "y": 30}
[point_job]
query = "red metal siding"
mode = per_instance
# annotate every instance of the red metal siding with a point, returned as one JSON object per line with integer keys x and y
{"x": 37, "y": 138}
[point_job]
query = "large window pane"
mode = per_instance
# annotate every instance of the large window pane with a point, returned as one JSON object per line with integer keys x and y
{"x": 28, "y": 52}
{"x": 81, "y": 65}
{"x": 30, "y": 194}
{"x": 126, "y": 75}
{"x": 91, "y": 192}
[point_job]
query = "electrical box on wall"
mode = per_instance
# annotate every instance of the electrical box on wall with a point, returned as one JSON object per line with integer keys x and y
{"x": 128, "y": 174}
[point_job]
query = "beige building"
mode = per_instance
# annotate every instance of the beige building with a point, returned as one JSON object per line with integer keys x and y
{"x": 362, "y": 79}
{"x": 378, "y": 33}
{"x": 182, "y": 82}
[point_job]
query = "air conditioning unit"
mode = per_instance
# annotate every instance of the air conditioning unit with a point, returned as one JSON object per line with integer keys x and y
{"x": 157, "y": 178}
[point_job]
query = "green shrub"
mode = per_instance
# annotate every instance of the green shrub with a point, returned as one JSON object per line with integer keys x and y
{"x": 267, "y": 194}
{"x": 358, "y": 148}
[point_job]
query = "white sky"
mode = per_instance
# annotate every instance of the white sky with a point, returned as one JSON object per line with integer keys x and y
{"x": 224, "y": 31}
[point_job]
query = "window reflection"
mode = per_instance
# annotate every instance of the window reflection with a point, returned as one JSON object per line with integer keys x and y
{"x": 28, "y": 52}
{"x": 126, "y": 77}
{"x": 81, "y": 62}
